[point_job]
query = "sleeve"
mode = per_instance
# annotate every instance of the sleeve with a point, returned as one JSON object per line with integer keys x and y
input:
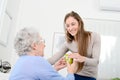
{"x": 58, "y": 54}
{"x": 96, "y": 47}
{"x": 70, "y": 77}
{"x": 56, "y": 76}
{"x": 49, "y": 73}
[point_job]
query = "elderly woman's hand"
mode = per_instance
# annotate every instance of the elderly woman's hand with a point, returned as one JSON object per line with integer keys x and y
{"x": 60, "y": 64}
{"x": 71, "y": 68}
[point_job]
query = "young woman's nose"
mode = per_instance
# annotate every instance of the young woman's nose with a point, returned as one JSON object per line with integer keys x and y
{"x": 70, "y": 28}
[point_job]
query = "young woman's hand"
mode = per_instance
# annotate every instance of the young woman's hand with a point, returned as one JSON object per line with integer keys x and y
{"x": 77, "y": 57}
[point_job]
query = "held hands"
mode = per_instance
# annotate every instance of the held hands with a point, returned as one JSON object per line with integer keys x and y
{"x": 71, "y": 66}
{"x": 62, "y": 63}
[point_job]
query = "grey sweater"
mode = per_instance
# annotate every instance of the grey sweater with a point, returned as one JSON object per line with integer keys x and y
{"x": 90, "y": 67}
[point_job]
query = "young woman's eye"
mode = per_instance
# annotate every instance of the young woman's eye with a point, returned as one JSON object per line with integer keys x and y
{"x": 73, "y": 24}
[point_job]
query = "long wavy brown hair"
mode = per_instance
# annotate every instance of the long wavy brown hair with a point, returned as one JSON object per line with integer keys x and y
{"x": 82, "y": 36}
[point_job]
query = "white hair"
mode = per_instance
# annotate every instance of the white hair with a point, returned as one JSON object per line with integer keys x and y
{"x": 24, "y": 39}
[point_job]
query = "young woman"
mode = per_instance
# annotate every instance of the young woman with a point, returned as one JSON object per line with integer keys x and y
{"x": 84, "y": 45}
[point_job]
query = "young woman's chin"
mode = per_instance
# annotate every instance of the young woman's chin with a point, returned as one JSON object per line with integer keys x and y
{"x": 73, "y": 34}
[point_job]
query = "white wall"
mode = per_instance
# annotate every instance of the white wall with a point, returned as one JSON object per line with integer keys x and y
{"x": 47, "y": 16}
{"x": 7, "y": 25}
{"x": 110, "y": 36}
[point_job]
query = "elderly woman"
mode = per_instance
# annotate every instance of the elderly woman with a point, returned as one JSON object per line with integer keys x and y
{"x": 31, "y": 65}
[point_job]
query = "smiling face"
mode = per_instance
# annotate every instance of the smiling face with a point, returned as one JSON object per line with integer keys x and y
{"x": 71, "y": 25}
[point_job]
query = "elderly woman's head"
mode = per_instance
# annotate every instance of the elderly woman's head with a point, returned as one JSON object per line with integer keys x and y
{"x": 24, "y": 40}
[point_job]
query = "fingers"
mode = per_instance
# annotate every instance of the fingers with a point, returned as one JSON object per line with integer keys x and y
{"x": 74, "y": 55}
{"x": 70, "y": 68}
{"x": 60, "y": 65}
